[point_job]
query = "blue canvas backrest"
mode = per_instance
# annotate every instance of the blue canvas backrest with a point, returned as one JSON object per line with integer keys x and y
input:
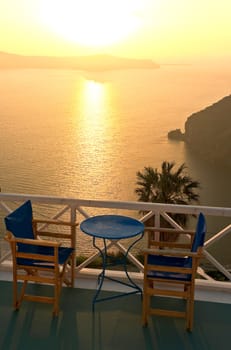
{"x": 199, "y": 236}
{"x": 19, "y": 222}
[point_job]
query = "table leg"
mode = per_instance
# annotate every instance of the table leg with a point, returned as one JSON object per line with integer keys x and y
{"x": 102, "y": 275}
{"x": 125, "y": 266}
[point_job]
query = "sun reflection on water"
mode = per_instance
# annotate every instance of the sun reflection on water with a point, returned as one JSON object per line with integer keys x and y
{"x": 93, "y": 110}
{"x": 93, "y": 99}
{"x": 94, "y": 131}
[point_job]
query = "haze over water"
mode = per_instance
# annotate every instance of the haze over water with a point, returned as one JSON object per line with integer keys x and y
{"x": 70, "y": 134}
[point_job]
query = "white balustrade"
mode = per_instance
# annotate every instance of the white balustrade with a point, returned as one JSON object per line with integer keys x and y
{"x": 79, "y": 209}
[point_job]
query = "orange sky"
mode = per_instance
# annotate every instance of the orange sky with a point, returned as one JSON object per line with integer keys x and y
{"x": 163, "y": 30}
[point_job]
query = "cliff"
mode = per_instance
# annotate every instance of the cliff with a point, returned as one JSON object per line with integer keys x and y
{"x": 208, "y": 132}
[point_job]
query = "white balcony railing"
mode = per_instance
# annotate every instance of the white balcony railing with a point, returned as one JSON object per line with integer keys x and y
{"x": 78, "y": 209}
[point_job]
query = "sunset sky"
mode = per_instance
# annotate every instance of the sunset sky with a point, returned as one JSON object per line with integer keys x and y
{"x": 163, "y": 30}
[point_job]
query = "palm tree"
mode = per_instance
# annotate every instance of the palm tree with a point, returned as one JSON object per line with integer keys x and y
{"x": 168, "y": 186}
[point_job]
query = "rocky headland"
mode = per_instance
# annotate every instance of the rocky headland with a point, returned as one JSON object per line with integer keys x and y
{"x": 208, "y": 132}
{"x": 95, "y": 63}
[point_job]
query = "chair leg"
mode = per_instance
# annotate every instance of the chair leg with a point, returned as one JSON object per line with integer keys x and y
{"x": 190, "y": 310}
{"x": 57, "y": 290}
{"x": 73, "y": 270}
{"x": 145, "y": 305}
{"x": 18, "y": 300}
{"x": 144, "y": 311}
{"x": 15, "y": 288}
{"x": 15, "y": 294}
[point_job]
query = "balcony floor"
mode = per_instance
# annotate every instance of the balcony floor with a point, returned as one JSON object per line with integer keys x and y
{"x": 115, "y": 324}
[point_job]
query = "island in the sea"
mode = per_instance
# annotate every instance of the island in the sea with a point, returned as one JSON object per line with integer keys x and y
{"x": 86, "y": 63}
{"x": 208, "y": 132}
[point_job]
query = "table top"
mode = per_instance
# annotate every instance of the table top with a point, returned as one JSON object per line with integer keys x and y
{"x": 112, "y": 226}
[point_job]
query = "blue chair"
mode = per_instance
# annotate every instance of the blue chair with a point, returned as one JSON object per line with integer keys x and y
{"x": 171, "y": 273}
{"x": 38, "y": 260}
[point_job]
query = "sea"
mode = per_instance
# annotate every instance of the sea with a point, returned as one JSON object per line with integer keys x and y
{"x": 86, "y": 134}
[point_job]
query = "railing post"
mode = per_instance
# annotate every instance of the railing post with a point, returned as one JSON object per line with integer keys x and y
{"x": 157, "y": 224}
{"x": 73, "y": 219}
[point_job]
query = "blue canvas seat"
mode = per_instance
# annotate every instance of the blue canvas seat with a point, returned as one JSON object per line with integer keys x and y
{"x": 164, "y": 269}
{"x": 63, "y": 255}
{"x": 38, "y": 260}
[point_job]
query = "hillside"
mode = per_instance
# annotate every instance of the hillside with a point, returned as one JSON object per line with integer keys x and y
{"x": 208, "y": 132}
{"x": 88, "y": 63}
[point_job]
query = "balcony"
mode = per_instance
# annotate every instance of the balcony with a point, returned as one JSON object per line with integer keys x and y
{"x": 116, "y": 324}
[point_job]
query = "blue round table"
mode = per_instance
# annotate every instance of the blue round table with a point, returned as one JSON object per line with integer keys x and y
{"x": 113, "y": 228}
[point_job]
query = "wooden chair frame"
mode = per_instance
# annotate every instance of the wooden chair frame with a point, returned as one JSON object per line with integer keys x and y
{"x": 50, "y": 272}
{"x": 154, "y": 286}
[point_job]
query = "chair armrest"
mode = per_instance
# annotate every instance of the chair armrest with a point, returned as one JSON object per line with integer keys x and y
{"x": 171, "y": 252}
{"x": 38, "y": 242}
{"x": 169, "y": 230}
{"x": 172, "y": 241}
{"x": 35, "y": 242}
{"x": 54, "y": 222}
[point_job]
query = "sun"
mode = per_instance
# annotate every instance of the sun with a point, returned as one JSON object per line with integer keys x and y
{"x": 92, "y": 23}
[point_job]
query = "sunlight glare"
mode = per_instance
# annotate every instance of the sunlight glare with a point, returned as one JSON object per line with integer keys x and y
{"x": 93, "y": 100}
{"x": 90, "y": 22}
